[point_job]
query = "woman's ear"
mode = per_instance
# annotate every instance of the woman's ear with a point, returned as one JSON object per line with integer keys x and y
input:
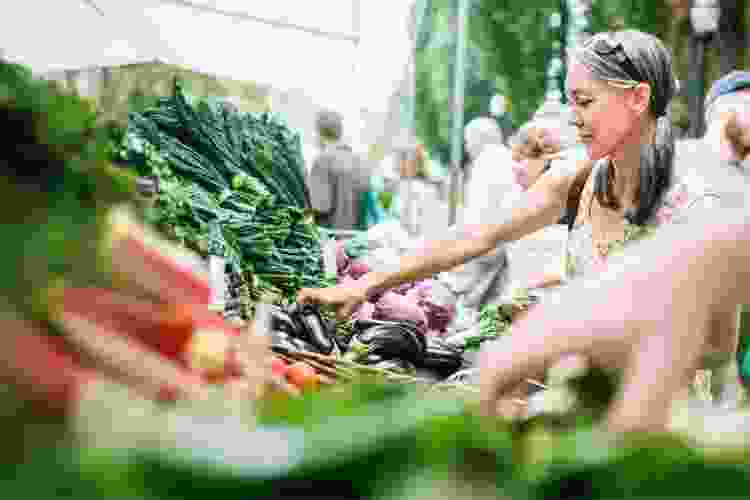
{"x": 737, "y": 134}
{"x": 642, "y": 97}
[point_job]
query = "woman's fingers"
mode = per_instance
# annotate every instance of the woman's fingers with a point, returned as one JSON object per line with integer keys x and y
{"x": 658, "y": 370}
{"x": 536, "y": 342}
{"x": 345, "y": 298}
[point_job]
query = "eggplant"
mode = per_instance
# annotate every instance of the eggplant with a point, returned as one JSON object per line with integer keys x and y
{"x": 281, "y": 321}
{"x": 372, "y": 359}
{"x": 311, "y": 326}
{"x": 441, "y": 357}
{"x": 361, "y": 325}
{"x": 232, "y": 303}
{"x": 283, "y": 342}
{"x": 390, "y": 341}
{"x": 396, "y": 365}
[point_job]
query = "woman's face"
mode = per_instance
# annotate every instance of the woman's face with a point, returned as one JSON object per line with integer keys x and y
{"x": 605, "y": 115}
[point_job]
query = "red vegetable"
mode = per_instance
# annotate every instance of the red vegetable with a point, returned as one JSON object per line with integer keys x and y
{"x": 166, "y": 328}
{"x": 302, "y": 376}
{"x": 394, "y": 307}
{"x": 279, "y": 367}
{"x": 126, "y": 359}
{"x": 438, "y": 317}
{"x": 357, "y": 269}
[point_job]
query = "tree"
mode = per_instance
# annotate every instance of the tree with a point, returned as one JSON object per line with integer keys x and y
{"x": 517, "y": 45}
{"x": 436, "y": 50}
{"x": 509, "y": 47}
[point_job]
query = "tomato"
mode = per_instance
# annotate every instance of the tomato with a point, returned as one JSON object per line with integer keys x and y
{"x": 279, "y": 367}
{"x": 302, "y": 376}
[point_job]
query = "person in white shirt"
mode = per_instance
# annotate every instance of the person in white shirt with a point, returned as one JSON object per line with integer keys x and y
{"x": 490, "y": 180}
{"x": 490, "y": 177}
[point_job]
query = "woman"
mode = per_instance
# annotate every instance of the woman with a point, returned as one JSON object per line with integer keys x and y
{"x": 630, "y": 191}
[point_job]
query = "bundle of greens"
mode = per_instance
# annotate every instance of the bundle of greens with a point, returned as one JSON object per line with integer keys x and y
{"x": 495, "y": 319}
{"x": 241, "y": 172}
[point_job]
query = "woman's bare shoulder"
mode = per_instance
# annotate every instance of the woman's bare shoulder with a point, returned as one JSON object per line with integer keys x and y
{"x": 565, "y": 174}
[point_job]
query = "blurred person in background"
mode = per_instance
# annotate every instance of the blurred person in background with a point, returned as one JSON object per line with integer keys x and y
{"x": 726, "y": 144}
{"x": 481, "y": 280}
{"x": 489, "y": 176}
{"x": 549, "y": 137}
{"x": 423, "y": 210}
{"x": 339, "y": 180}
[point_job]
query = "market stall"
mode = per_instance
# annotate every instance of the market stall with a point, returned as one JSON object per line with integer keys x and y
{"x": 149, "y": 300}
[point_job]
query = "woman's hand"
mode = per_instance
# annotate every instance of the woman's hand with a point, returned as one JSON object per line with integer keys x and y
{"x": 345, "y": 298}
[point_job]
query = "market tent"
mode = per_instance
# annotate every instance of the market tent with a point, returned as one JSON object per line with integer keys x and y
{"x": 338, "y": 55}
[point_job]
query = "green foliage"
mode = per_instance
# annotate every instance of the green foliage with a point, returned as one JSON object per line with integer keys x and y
{"x": 517, "y": 43}
{"x": 508, "y": 50}
{"x": 495, "y": 319}
{"x": 644, "y": 15}
{"x": 435, "y": 79}
{"x": 387, "y": 442}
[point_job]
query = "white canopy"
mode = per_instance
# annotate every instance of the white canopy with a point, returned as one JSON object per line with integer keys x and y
{"x": 345, "y": 54}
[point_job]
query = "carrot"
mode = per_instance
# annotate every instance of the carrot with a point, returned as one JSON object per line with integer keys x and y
{"x": 138, "y": 366}
{"x": 302, "y": 376}
{"x": 166, "y": 328}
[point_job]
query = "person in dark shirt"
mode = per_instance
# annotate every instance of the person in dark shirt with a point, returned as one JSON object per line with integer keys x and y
{"x": 339, "y": 178}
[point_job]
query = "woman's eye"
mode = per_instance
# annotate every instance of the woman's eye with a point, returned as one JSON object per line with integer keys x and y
{"x": 584, "y": 102}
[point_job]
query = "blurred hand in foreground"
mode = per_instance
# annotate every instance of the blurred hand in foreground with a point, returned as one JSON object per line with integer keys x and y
{"x": 653, "y": 315}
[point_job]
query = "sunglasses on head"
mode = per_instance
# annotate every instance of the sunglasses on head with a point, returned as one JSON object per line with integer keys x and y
{"x": 607, "y": 48}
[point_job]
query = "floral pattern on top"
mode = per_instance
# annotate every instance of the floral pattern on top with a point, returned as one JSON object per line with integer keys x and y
{"x": 587, "y": 255}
